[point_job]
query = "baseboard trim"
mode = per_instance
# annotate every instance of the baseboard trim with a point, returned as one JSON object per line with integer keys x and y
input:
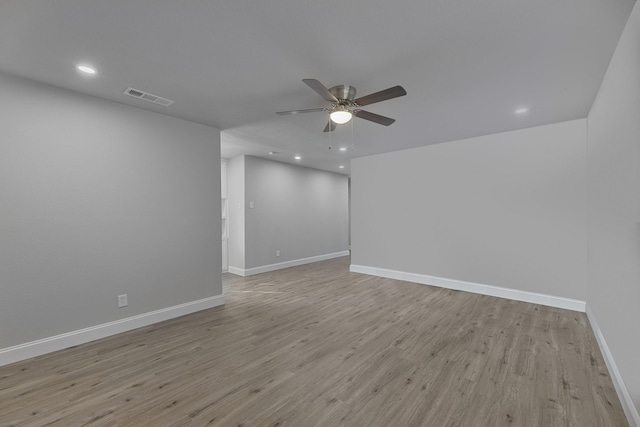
{"x": 285, "y": 264}
{"x": 623, "y": 393}
{"x": 58, "y": 342}
{"x": 235, "y": 270}
{"x": 477, "y": 288}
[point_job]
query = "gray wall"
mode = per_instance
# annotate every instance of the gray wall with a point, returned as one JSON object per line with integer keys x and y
{"x": 505, "y": 210}
{"x": 613, "y": 292}
{"x": 99, "y": 199}
{"x": 299, "y": 211}
{"x": 235, "y": 211}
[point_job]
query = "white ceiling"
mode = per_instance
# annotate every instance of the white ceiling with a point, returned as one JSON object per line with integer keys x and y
{"x": 466, "y": 64}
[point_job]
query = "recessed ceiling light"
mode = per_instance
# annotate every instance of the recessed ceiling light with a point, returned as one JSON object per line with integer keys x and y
{"x": 343, "y": 148}
{"x": 86, "y": 69}
{"x": 341, "y": 167}
{"x": 521, "y": 110}
{"x": 297, "y": 157}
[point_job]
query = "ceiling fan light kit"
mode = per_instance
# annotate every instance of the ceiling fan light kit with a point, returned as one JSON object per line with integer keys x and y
{"x": 340, "y": 116}
{"x": 345, "y": 105}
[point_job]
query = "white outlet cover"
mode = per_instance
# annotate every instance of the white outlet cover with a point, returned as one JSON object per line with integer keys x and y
{"x": 122, "y": 301}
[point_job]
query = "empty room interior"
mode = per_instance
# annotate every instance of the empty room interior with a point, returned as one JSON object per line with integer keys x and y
{"x": 339, "y": 213}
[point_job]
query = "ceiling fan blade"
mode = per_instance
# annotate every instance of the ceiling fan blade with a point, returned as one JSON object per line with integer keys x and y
{"x": 383, "y": 95}
{"x": 309, "y": 110}
{"x": 330, "y": 127}
{"x": 320, "y": 89}
{"x": 372, "y": 117}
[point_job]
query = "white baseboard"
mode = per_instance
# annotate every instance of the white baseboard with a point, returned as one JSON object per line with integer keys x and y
{"x": 285, "y": 264}
{"x": 235, "y": 270}
{"x": 494, "y": 291}
{"x": 70, "y": 339}
{"x": 633, "y": 417}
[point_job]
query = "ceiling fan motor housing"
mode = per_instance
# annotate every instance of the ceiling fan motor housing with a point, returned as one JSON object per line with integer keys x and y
{"x": 343, "y": 92}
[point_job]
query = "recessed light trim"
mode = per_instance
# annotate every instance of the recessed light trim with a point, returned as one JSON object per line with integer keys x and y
{"x": 86, "y": 69}
{"x": 297, "y": 157}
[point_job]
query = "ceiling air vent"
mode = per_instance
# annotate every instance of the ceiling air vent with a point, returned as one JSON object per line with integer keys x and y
{"x": 148, "y": 97}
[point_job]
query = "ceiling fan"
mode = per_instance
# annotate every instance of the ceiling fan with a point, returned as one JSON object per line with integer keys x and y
{"x": 345, "y": 105}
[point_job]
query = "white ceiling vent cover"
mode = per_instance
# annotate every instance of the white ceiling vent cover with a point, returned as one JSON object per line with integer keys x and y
{"x": 148, "y": 97}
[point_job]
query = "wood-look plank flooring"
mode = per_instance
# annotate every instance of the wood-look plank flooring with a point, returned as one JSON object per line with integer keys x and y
{"x": 316, "y": 345}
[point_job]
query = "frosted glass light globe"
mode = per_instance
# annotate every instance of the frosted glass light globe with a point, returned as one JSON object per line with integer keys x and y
{"x": 340, "y": 117}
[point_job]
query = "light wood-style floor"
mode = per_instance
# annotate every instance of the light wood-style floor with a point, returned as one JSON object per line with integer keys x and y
{"x": 318, "y": 346}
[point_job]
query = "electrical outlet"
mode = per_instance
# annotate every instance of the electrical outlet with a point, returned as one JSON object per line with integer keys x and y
{"x": 123, "y": 300}
{"x": 277, "y": 253}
